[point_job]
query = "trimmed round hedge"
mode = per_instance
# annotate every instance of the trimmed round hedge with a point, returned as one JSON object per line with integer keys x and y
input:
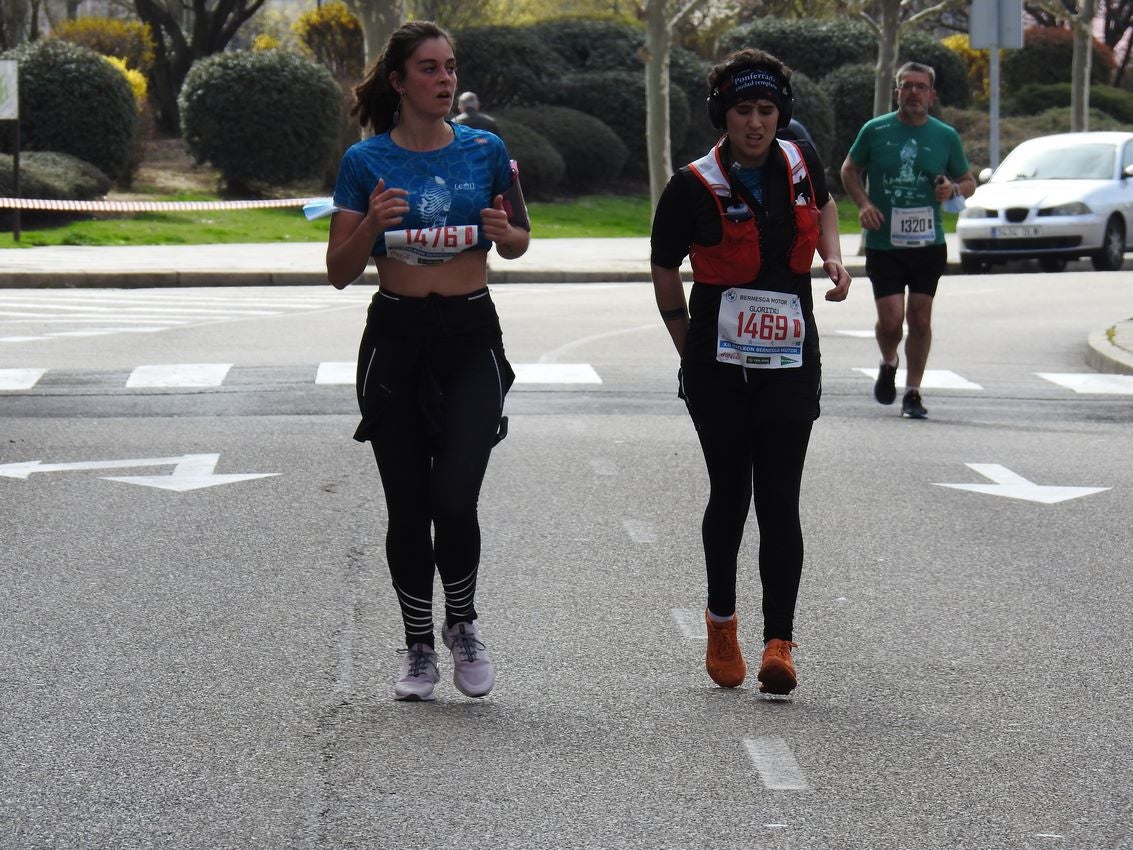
{"x": 592, "y": 152}
{"x": 541, "y": 167}
{"x": 54, "y": 176}
{"x": 74, "y": 101}
{"x": 617, "y": 98}
{"x": 261, "y": 118}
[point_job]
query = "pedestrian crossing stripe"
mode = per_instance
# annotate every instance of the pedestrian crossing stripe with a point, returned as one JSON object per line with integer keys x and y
{"x": 179, "y": 375}
{"x": 525, "y": 373}
{"x": 340, "y": 373}
{"x": 1092, "y": 384}
{"x": 20, "y": 379}
{"x": 933, "y": 379}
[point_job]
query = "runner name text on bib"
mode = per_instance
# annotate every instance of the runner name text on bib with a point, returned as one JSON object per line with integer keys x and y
{"x": 760, "y": 330}
{"x": 430, "y": 245}
{"x": 912, "y": 227}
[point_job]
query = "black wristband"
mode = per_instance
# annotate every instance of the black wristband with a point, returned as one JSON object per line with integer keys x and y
{"x": 675, "y": 313}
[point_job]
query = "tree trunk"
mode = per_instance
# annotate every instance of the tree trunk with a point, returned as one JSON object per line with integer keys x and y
{"x": 658, "y": 40}
{"x": 889, "y": 39}
{"x": 1080, "y": 68}
{"x": 379, "y": 19}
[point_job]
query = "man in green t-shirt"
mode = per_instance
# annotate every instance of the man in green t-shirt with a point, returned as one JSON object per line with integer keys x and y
{"x": 913, "y": 163}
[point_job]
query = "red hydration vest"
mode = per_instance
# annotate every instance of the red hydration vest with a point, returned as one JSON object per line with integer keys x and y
{"x": 736, "y": 258}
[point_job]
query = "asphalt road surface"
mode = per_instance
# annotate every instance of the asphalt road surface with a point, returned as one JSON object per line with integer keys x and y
{"x": 198, "y": 635}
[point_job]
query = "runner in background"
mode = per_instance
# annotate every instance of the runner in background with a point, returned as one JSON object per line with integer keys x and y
{"x": 913, "y": 163}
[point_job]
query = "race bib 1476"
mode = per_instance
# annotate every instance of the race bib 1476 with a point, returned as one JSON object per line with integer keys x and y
{"x": 430, "y": 245}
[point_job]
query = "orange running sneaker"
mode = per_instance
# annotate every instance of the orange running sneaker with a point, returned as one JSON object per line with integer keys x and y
{"x": 723, "y": 660}
{"x": 777, "y": 670}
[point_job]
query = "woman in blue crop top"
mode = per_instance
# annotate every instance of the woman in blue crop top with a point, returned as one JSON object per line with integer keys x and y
{"x": 750, "y": 215}
{"x": 427, "y": 199}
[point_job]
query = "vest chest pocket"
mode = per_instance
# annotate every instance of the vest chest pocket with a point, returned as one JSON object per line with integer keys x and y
{"x": 736, "y": 259}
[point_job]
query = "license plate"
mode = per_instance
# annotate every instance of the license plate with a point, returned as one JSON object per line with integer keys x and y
{"x": 1017, "y": 231}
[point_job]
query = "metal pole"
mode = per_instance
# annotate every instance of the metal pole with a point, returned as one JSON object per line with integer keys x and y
{"x": 993, "y": 85}
{"x": 16, "y": 183}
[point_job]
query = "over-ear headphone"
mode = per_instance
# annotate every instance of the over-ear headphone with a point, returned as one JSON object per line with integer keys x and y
{"x": 716, "y": 108}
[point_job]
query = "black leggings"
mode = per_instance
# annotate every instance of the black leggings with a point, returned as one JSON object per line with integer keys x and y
{"x": 754, "y": 427}
{"x": 432, "y": 436}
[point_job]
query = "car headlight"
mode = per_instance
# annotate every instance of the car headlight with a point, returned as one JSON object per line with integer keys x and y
{"x": 976, "y": 212}
{"x": 1073, "y": 208}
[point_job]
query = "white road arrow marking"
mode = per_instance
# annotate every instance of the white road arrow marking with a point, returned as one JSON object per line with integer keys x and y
{"x": 190, "y": 472}
{"x": 1015, "y": 486}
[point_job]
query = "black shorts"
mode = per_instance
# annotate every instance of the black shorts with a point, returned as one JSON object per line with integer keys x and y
{"x": 919, "y": 269}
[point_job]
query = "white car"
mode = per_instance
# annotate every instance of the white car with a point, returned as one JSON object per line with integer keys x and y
{"x": 1053, "y": 199}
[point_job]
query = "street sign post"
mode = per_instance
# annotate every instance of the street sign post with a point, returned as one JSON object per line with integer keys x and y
{"x": 994, "y": 24}
{"x": 10, "y": 111}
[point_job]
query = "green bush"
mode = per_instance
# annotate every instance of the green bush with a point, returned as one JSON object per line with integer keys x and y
{"x": 621, "y": 106}
{"x": 814, "y": 110}
{"x": 260, "y": 118}
{"x": 53, "y": 176}
{"x": 541, "y": 167}
{"x": 850, "y": 90}
{"x": 1033, "y": 99}
{"x": 505, "y": 66}
{"x": 73, "y": 101}
{"x": 589, "y": 45}
{"x": 688, "y": 73}
{"x": 592, "y": 152}
{"x": 815, "y": 47}
{"x": 1046, "y": 56}
{"x": 952, "y": 85}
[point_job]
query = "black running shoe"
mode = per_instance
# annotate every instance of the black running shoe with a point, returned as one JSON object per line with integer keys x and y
{"x": 911, "y": 406}
{"x": 885, "y": 390}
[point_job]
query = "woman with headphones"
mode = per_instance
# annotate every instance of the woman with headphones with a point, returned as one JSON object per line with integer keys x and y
{"x": 749, "y": 214}
{"x": 427, "y": 199}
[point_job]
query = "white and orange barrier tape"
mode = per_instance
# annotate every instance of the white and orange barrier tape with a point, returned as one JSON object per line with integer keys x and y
{"x": 149, "y": 206}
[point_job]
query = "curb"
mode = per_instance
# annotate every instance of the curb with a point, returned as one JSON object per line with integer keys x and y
{"x": 1111, "y": 350}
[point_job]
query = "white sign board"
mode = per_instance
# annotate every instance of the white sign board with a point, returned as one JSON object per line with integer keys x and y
{"x": 995, "y": 23}
{"x": 9, "y": 90}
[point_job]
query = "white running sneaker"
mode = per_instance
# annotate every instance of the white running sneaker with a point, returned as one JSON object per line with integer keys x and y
{"x": 472, "y": 670}
{"x": 418, "y": 674}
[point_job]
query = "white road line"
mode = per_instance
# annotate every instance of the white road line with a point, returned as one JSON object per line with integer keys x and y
{"x": 1089, "y": 383}
{"x": 20, "y": 379}
{"x": 179, "y": 375}
{"x": 603, "y": 466}
{"x": 691, "y": 623}
{"x": 555, "y": 373}
{"x": 336, "y": 372}
{"x": 639, "y": 532}
{"x": 106, "y": 331}
{"x": 777, "y": 766}
{"x": 858, "y": 334}
{"x": 934, "y": 379}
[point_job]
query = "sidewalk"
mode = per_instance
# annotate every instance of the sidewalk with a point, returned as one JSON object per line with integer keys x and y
{"x": 303, "y": 263}
{"x": 296, "y": 263}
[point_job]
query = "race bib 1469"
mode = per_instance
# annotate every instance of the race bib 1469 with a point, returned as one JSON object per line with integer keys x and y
{"x": 760, "y": 330}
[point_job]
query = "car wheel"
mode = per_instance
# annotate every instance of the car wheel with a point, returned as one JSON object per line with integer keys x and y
{"x": 1112, "y": 253}
{"x": 1052, "y": 264}
{"x": 972, "y": 265}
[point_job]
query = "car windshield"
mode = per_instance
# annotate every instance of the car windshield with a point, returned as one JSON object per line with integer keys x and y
{"x": 1039, "y": 162}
